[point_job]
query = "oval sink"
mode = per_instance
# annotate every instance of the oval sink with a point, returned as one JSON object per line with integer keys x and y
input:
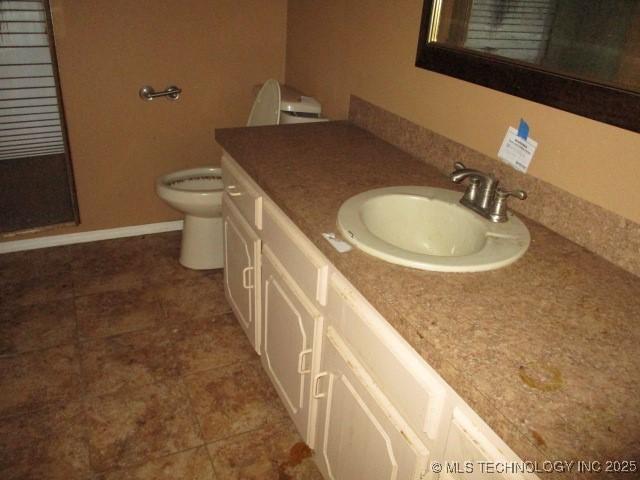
{"x": 426, "y": 228}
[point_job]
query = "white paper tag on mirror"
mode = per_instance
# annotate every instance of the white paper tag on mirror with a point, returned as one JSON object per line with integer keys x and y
{"x": 517, "y": 151}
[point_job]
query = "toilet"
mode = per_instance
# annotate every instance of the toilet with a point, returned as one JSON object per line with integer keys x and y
{"x": 197, "y": 192}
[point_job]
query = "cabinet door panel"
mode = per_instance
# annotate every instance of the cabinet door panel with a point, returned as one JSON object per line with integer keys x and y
{"x": 241, "y": 248}
{"x": 289, "y": 325}
{"x": 468, "y": 446}
{"x": 361, "y": 435}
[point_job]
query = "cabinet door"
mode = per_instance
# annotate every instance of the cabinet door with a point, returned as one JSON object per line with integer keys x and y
{"x": 470, "y": 445}
{"x": 289, "y": 327}
{"x": 360, "y": 434}
{"x": 241, "y": 271}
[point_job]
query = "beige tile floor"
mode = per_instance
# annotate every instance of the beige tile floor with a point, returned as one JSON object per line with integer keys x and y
{"x": 117, "y": 363}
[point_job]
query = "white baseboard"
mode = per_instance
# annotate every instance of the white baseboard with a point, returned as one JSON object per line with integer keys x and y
{"x": 92, "y": 236}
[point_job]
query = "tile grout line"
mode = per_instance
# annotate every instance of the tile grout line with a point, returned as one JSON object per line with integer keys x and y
{"x": 199, "y": 424}
{"x": 280, "y": 423}
{"x": 37, "y": 350}
{"x": 192, "y": 410}
{"x": 145, "y": 461}
{"x": 184, "y": 375}
{"x": 86, "y": 436}
{"x": 127, "y": 391}
{"x": 164, "y": 379}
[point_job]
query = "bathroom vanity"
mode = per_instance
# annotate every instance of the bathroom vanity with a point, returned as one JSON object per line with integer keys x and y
{"x": 395, "y": 373}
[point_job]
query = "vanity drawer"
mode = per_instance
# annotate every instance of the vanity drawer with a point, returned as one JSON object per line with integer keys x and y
{"x": 306, "y": 265}
{"x": 242, "y": 191}
{"x": 410, "y": 384}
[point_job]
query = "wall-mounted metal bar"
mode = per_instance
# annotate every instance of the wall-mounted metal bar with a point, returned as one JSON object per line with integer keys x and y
{"x": 148, "y": 93}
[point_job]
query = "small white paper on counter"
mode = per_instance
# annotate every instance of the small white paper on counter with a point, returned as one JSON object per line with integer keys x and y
{"x": 340, "y": 245}
{"x": 517, "y": 151}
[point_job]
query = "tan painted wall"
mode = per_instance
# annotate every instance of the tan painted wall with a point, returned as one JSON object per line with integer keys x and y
{"x": 367, "y": 48}
{"x": 215, "y": 50}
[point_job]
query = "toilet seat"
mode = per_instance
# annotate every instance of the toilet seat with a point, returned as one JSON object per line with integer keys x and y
{"x": 200, "y": 181}
{"x": 266, "y": 108}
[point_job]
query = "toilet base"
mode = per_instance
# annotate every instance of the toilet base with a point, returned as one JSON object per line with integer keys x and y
{"x": 201, "y": 243}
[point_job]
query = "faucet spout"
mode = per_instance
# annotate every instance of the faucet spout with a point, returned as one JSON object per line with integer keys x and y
{"x": 459, "y": 175}
{"x": 461, "y": 172}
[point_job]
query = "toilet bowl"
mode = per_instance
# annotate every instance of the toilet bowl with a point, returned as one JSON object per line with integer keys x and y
{"x": 197, "y": 192}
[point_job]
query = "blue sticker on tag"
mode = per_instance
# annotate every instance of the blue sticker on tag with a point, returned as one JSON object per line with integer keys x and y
{"x": 523, "y": 129}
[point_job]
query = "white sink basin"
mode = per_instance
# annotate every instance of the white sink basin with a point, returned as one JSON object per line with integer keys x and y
{"x": 426, "y": 228}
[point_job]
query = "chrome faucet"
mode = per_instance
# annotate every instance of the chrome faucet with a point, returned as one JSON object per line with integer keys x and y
{"x": 483, "y": 195}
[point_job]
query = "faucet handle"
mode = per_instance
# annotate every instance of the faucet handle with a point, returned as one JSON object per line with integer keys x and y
{"x": 503, "y": 194}
{"x": 499, "y": 207}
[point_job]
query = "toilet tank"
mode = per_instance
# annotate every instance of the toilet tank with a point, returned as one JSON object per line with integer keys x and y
{"x": 298, "y": 108}
{"x": 295, "y": 107}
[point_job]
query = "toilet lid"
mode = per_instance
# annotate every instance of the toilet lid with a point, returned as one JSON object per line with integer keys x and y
{"x": 266, "y": 108}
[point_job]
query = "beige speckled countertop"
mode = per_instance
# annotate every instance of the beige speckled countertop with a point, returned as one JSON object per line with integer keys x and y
{"x": 546, "y": 350}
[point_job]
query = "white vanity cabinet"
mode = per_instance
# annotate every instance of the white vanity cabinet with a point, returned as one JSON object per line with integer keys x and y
{"x": 291, "y": 334}
{"x": 358, "y": 393}
{"x": 242, "y": 270}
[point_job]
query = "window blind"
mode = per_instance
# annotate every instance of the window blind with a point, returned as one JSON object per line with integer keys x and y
{"x": 517, "y": 29}
{"x": 30, "y": 122}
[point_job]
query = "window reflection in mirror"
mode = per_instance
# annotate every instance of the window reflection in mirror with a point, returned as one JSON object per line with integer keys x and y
{"x": 595, "y": 40}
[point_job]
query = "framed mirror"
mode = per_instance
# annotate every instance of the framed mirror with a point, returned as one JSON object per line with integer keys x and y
{"x": 581, "y": 57}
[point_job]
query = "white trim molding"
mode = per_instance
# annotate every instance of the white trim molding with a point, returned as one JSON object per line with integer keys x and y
{"x": 91, "y": 236}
